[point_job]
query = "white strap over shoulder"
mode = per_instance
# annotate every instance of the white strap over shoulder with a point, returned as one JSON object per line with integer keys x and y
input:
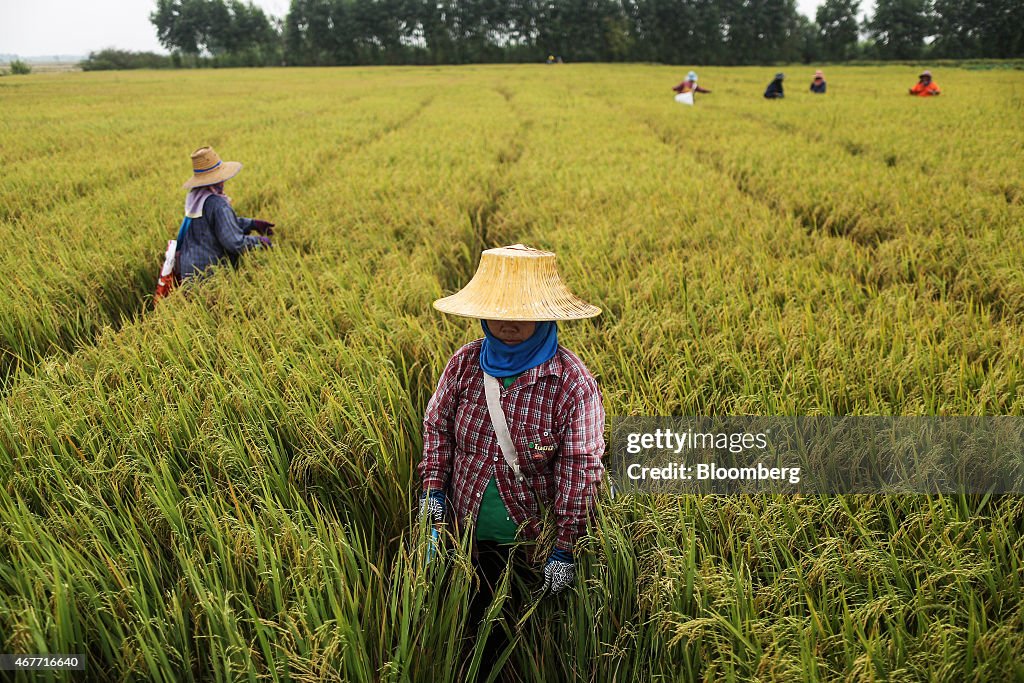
{"x": 492, "y": 392}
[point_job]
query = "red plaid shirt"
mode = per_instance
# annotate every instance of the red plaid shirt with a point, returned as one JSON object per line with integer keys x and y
{"x": 556, "y": 418}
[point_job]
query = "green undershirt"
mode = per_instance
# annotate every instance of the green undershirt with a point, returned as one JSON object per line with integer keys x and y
{"x": 493, "y": 522}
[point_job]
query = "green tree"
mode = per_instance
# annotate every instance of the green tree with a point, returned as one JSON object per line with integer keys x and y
{"x": 111, "y": 59}
{"x": 306, "y": 32}
{"x": 235, "y": 32}
{"x": 989, "y": 28}
{"x": 432, "y": 17}
{"x": 243, "y": 30}
{"x": 838, "y": 28}
{"x": 181, "y": 25}
{"x": 900, "y": 27}
{"x": 957, "y": 32}
{"x": 807, "y": 41}
{"x": 1001, "y": 28}
{"x": 578, "y": 30}
{"x": 760, "y": 31}
{"x": 662, "y": 30}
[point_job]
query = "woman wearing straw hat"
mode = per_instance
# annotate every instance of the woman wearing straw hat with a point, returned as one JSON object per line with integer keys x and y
{"x": 516, "y": 423}
{"x": 210, "y": 231}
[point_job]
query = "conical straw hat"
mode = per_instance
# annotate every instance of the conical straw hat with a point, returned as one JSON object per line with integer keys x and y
{"x": 208, "y": 169}
{"x": 516, "y": 283}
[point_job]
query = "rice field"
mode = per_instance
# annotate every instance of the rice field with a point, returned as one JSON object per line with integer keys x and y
{"x": 222, "y": 488}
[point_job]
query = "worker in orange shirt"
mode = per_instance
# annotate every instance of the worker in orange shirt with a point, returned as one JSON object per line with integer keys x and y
{"x": 925, "y": 86}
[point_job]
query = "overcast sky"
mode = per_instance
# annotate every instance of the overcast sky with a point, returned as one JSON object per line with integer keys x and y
{"x": 33, "y": 28}
{"x": 74, "y": 27}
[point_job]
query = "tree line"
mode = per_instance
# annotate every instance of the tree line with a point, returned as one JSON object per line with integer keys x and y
{"x": 724, "y": 32}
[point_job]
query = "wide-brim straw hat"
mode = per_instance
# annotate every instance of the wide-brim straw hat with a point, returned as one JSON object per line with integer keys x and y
{"x": 516, "y": 283}
{"x": 208, "y": 169}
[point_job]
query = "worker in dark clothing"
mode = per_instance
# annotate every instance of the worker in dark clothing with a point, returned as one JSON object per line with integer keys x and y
{"x": 774, "y": 89}
{"x": 211, "y": 233}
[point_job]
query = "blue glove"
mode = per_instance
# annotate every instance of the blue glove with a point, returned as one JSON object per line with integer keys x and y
{"x": 559, "y": 572}
{"x": 265, "y": 241}
{"x": 434, "y": 545}
{"x": 432, "y": 506}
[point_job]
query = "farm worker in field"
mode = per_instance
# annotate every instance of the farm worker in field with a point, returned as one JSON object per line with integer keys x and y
{"x": 925, "y": 86}
{"x": 516, "y": 423}
{"x": 774, "y": 89}
{"x": 689, "y": 84}
{"x": 818, "y": 84}
{"x": 211, "y": 232}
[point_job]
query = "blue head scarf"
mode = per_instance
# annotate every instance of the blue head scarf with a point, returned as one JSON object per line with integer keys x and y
{"x": 499, "y": 359}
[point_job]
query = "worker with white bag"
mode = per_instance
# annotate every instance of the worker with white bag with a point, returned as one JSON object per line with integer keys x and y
{"x": 685, "y": 91}
{"x": 210, "y": 232}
